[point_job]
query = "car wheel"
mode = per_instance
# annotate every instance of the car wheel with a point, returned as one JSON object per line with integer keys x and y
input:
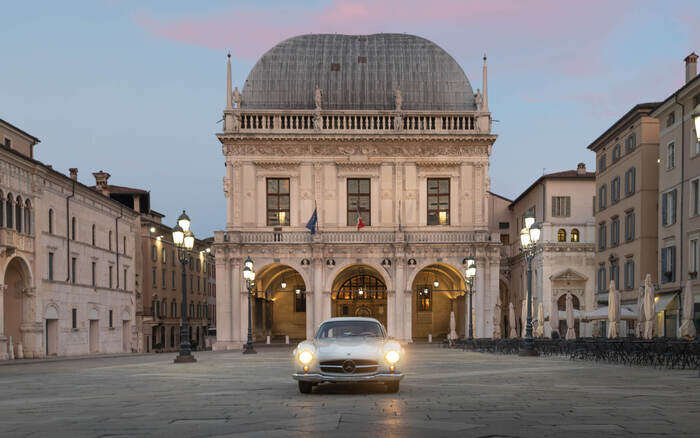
{"x": 393, "y": 387}
{"x": 305, "y": 387}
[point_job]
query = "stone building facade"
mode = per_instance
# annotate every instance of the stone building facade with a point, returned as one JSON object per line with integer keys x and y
{"x": 385, "y": 127}
{"x": 66, "y": 260}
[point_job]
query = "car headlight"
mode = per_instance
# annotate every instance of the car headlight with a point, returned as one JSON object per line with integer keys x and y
{"x": 392, "y": 356}
{"x": 305, "y": 357}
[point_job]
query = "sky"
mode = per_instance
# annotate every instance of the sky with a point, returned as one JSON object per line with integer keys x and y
{"x": 137, "y": 88}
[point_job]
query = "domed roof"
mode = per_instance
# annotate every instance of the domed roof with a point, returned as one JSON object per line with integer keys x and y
{"x": 357, "y": 72}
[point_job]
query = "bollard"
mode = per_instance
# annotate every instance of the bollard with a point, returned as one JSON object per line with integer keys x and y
{"x": 286, "y": 339}
{"x": 20, "y": 351}
{"x": 268, "y": 340}
{"x": 430, "y": 338}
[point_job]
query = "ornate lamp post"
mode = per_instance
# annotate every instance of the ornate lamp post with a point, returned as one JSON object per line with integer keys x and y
{"x": 470, "y": 273}
{"x": 183, "y": 239}
{"x": 696, "y": 117}
{"x": 529, "y": 236}
{"x": 249, "y": 275}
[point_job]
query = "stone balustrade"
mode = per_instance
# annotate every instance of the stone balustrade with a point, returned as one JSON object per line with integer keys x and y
{"x": 351, "y": 237}
{"x": 11, "y": 239}
{"x": 373, "y": 122}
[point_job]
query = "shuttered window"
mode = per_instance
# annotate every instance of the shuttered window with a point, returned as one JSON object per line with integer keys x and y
{"x": 561, "y": 206}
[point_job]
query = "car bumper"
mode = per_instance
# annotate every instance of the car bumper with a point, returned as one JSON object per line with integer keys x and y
{"x": 320, "y": 378}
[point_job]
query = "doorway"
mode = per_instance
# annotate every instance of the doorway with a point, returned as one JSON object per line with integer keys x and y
{"x": 94, "y": 335}
{"x": 125, "y": 337}
{"x": 51, "y": 337}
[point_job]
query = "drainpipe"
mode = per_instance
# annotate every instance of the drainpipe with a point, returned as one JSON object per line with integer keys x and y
{"x": 680, "y": 211}
{"x": 68, "y": 236}
{"x": 116, "y": 226}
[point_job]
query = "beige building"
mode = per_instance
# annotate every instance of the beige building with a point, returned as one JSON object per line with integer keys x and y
{"x": 386, "y": 127}
{"x": 66, "y": 260}
{"x": 564, "y": 261}
{"x": 626, "y": 203}
{"x": 679, "y": 199}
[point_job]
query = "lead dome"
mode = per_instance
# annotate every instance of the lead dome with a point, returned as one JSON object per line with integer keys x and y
{"x": 358, "y": 72}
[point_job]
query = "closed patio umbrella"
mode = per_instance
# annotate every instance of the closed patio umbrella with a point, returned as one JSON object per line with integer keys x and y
{"x": 649, "y": 308}
{"x": 688, "y": 326}
{"x": 554, "y": 315}
{"x": 453, "y": 326}
{"x": 613, "y": 312}
{"x": 497, "y": 319}
{"x": 638, "y": 329}
{"x": 540, "y": 320}
{"x": 570, "y": 331}
{"x": 523, "y": 319}
{"x": 511, "y": 321}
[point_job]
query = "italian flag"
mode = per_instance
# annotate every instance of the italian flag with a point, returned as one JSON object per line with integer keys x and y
{"x": 360, "y": 224}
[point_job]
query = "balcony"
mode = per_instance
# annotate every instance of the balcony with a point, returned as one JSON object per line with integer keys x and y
{"x": 351, "y": 237}
{"x": 12, "y": 240}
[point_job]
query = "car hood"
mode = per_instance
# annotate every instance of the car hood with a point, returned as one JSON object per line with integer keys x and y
{"x": 356, "y": 348}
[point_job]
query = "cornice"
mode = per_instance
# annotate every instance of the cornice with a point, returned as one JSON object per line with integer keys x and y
{"x": 393, "y": 136}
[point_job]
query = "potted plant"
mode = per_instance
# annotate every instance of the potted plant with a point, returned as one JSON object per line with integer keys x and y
{"x": 693, "y": 275}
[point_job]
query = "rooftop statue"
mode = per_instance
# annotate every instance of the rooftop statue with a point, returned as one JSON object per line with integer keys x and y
{"x": 237, "y": 99}
{"x": 398, "y": 99}
{"x": 318, "y": 98}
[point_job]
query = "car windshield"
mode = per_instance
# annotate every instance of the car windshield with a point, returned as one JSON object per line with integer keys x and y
{"x": 346, "y": 329}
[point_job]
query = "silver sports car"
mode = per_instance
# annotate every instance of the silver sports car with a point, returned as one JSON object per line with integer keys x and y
{"x": 348, "y": 350}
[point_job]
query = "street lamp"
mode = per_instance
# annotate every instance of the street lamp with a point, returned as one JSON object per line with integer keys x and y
{"x": 470, "y": 273}
{"x": 249, "y": 275}
{"x": 696, "y": 117}
{"x": 184, "y": 241}
{"x": 529, "y": 236}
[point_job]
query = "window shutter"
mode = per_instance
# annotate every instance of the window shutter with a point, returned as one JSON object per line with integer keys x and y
{"x": 672, "y": 266}
{"x": 568, "y": 206}
{"x": 664, "y": 209}
{"x": 633, "y": 177}
{"x": 663, "y": 265}
{"x": 673, "y": 206}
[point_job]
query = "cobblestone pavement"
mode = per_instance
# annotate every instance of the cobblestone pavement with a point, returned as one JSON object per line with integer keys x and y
{"x": 445, "y": 393}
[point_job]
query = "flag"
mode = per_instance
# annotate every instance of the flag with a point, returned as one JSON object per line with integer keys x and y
{"x": 360, "y": 224}
{"x": 311, "y": 224}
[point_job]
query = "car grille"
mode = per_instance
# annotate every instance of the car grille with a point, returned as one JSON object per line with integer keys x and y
{"x": 349, "y": 366}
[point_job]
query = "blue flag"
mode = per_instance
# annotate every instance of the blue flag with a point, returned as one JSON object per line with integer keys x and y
{"x": 311, "y": 224}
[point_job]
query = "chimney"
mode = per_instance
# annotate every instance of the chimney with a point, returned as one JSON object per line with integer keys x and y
{"x": 101, "y": 178}
{"x": 581, "y": 169}
{"x": 73, "y": 173}
{"x": 691, "y": 67}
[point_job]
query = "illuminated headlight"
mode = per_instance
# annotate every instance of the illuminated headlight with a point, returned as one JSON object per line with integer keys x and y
{"x": 392, "y": 356}
{"x": 305, "y": 357}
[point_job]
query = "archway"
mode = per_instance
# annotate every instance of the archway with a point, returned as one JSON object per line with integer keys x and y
{"x": 505, "y": 308}
{"x": 438, "y": 296}
{"x": 279, "y": 304}
{"x": 359, "y": 290}
{"x": 16, "y": 279}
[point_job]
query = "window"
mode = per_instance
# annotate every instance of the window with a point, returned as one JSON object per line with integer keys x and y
{"x": 50, "y": 220}
{"x": 629, "y": 226}
{"x": 629, "y": 274}
{"x": 8, "y": 142}
{"x": 164, "y": 308}
{"x": 574, "y": 235}
{"x": 18, "y": 214}
{"x": 694, "y": 197}
{"x": 438, "y": 201}
{"x": 671, "y": 119}
{"x": 155, "y": 279}
{"x": 561, "y": 235}
{"x": 668, "y": 264}
{"x": 601, "y": 163}
{"x": 109, "y": 244}
{"x": 602, "y": 277}
{"x": 2, "y": 210}
{"x": 505, "y": 239}
{"x": 163, "y": 254}
{"x": 561, "y": 206}
{"x": 163, "y": 279}
{"x": 73, "y": 262}
{"x": 630, "y": 143}
{"x": 615, "y": 190}
{"x": 615, "y": 231}
{"x": 172, "y": 279}
{"x": 671, "y": 156}
{"x": 630, "y": 177}
{"x": 154, "y": 253}
{"x": 668, "y": 208}
{"x": 503, "y": 225}
{"x": 93, "y": 235}
{"x": 425, "y": 299}
{"x": 602, "y": 236}
{"x": 602, "y": 197}
{"x": 8, "y": 213}
{"x": 173, "y": 309}
{"x": 74, "y": 318}
{"x": 359, "y": 201}
{"x": 51, "y": 266}
{"x": 277, "y": 201}
{"x": 615, "y": 275}
{"x": 73, "y": 226}
{"x": 94, "y": 275}
{"x": 617, "y": 152}
{"x": 111, "y": 320}
{"x": 111, "y": 269}
{"x": 693, "y": 260}
{"x": 124, "y": 245}
{"x": 172, "y": 257}
{"x": 125, "y": 277}
{"x": 28, "y": 217}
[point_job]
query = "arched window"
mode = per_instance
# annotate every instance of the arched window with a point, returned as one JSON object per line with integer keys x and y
{"x": 124, "y": 245}
{"x": 574, "y": 235}
{"x": 154, "y": 253}
{"x": 110, "y": 240}
{"x": 172, "y": 336}
{"x": 173, "y": 309}
{"x": 362, "y": 287}
{"x": 561, "y": 235}
{"x": 8, "y": 208}
{"x": 50, "y": 220}
{"x": 28, "y": 217}
{"x": 2, "y": 210}
{"x": 18, "y": 214}
{"x": 561, "y": 302}
{"x": 73, "y": 228}
{"x": 191, "y": 310}
{"x": 164, "y": 308}
{"x": 93, "y": 234}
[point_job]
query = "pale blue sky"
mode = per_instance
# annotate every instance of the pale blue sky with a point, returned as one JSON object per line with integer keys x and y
{"x": 137, "y": 88}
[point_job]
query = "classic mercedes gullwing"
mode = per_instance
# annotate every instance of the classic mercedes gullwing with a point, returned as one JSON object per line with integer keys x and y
{"x": 348, "y": 350}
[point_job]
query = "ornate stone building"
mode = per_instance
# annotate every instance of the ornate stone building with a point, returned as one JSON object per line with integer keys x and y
{"x": 382, "y": 127}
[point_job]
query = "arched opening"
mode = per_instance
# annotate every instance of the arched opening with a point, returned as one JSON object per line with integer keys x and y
{"x": 18, "y": 214}
{"x": 279, "y": 304}
{"x": 28, "y": 217}
{"x": 439, "y": 297}
{"x": 16, "y": 279}
{"x": 2, "y": 210}
{"x": 561, "y": 235}
{"x": 50, "y": 220}
{"x": 359, "y": 290}
{"x": 574, "y": 235}
{"x": 8, "y": 211}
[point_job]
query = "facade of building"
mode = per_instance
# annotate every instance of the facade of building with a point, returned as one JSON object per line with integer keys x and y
{"x": 626, "y": 203}
{"x": 159, "y": 277}
{"x": 66, "y": 260}
{"x": 387, "y": 129}
{"x": 564, "y": 261}
{"x": 678, "y": 199}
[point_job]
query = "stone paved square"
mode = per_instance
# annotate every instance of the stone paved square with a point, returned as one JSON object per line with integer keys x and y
{"x": 445, "y": 393}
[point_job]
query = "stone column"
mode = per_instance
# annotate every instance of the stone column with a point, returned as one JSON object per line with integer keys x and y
{"x": 3, "y": 339}
{"x": 223, "y": 302}
{"x": 407, "y": 335}
{"x": 319, "y": 293}
{"x": 310, "y": 304}
{"x": 238, "y": 323}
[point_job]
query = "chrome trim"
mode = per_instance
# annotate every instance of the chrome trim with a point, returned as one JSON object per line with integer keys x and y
{"x": 320, "y": 378}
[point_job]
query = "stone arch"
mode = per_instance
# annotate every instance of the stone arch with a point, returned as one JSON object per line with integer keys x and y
{"x": 337, "y": 270}
{"x": 438, "y": 295}
{"x": 360, "y": 289}
{"x": 9, "y": 211}
{"x": 280, "y": 311}
{"x": 16, "y": 303}
{"x": 422, "y": 265}
{"x": 51, "y": 311}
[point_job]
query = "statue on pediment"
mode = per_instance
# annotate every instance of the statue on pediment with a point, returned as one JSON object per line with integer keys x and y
{"x": 398, "y": 99}
{"x": 237, "y": 98}
{"x": 479, "y": 98}
{"x": 318, "y": 97}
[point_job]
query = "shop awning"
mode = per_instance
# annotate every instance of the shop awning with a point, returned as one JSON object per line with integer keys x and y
{"x": 663, "y": 301}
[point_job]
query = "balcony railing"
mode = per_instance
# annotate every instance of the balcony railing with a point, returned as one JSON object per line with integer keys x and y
{"x": 11, "y": 239}
{"x": 373, "y": 122}
{"x": 351, "y": 237}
